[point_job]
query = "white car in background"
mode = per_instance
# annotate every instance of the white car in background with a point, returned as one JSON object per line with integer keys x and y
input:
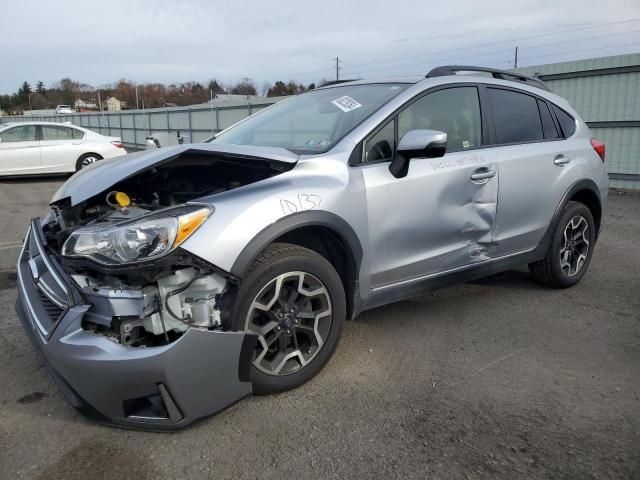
{"x": 64, "y": 109}
{"x": 49, "y": 147}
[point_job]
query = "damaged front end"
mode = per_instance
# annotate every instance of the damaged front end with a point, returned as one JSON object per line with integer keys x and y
{"x": 134, "y": 329}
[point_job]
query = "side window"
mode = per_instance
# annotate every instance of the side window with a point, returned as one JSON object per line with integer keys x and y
{"x": 50, "y": 132}
{"x": 382, "y": 145}
{"x": 455, "y": 111}
{"x": 548, "y": 125}
{"x": 25, "y": 133}
{"x": 516, "y": 116}
{"x": 77, "y": 134}
{"x": 567, "y": 122}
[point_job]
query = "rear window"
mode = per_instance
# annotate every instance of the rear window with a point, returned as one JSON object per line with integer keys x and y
{"x": 516, "y": 117}
{"x": 566, "y": 121}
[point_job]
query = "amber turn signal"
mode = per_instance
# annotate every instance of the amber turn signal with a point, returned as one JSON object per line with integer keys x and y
{"x": 189, "y": 223}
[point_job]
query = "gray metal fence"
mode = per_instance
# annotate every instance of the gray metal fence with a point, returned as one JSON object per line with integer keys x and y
{"x": 194, "y": 123}
{"x": 606, "y": 93}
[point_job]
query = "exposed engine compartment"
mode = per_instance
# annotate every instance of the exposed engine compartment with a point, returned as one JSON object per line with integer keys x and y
{"x": 175, "y": 181}
{"x": 155, "y": 303}
{"x": 154, "y": 314}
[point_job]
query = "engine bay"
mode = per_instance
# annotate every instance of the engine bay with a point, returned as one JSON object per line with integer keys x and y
{"x": 153, "y": 303}
{"x": 180, "y": 179}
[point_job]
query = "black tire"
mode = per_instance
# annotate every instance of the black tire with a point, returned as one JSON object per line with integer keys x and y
{"x": 549, "y": 271}
{"x": 277, "y": 260}
{"x": 83, "y": 158}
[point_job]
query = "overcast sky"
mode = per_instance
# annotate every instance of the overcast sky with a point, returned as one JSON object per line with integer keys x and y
{"x": 99, "y": 42}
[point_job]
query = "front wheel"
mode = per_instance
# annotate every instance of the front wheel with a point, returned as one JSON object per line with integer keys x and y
{"x": 294, "y": 300}
{"x": 571, "y": 248}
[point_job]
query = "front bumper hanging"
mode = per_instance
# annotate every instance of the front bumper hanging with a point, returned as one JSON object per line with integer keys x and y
{"x": 162, "y": 388}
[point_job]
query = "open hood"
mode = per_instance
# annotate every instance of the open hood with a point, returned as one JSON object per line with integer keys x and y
{"x": 101, "y": 176}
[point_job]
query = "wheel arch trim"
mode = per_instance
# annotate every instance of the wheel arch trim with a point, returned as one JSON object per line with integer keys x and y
{"x": 580, "y": 185}
{"x": 287, "y": 224}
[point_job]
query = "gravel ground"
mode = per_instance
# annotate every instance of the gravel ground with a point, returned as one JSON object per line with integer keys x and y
{"x": 499, "y": 378}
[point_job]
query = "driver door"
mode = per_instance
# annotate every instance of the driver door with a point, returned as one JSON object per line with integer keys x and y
{"x": 441, "y": 215}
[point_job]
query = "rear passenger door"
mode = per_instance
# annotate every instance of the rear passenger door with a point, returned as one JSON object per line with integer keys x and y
{"x": 531, "y": 157}
{"x": 59, "y": 148}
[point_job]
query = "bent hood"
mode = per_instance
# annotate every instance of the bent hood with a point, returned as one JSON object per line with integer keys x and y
{"x": 101, "y": 175}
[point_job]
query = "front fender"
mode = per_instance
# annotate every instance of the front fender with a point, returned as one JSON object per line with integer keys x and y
{"x": 294, "y": 221}
{"x": 247, "y": 219}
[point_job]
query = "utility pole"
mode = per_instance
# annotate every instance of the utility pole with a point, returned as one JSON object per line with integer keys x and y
{"x": 99, "y": 101}
{"x": 246, "y": 81}
{"x": 337, "y": 59}
{"x": 137, "y": 97}
{"x": 515, "y": 61}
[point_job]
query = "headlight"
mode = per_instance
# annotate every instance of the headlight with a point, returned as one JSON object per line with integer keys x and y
{"x": 133, "y": 242}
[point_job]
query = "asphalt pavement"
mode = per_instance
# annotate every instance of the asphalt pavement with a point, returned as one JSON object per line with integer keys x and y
{"x": 499, "y": 378}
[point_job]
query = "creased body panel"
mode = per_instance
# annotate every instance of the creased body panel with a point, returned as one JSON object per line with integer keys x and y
{"x": 434, "y": 219}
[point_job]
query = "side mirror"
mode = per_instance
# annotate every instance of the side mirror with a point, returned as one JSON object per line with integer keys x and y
{"x": 417, "y": 144}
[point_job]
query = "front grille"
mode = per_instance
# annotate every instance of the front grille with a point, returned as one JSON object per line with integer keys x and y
{"x": 44, "y": 291}
{"x": 53, "y": 310}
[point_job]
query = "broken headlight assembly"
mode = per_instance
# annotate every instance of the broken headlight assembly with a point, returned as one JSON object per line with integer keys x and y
{"x": 135, "y": 241}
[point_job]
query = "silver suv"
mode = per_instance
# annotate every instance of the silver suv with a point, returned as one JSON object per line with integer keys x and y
{"x": 167, "y": 284}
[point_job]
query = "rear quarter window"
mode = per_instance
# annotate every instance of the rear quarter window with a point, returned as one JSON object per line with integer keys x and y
{"x": 566, "y": 121}
{"x": 548, "y": 125}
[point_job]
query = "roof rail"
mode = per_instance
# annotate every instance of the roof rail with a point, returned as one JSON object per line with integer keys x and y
{"x": 495, "y": 73}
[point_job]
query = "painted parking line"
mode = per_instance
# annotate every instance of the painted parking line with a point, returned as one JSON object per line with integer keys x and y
{"x": 10, "y": 245}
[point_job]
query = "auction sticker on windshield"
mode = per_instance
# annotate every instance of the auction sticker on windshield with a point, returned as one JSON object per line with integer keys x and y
{"x": 346, "y": 104}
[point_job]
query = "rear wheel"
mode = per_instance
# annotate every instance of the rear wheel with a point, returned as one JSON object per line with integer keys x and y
{"x": 571, "y": 248}
{"x": 86, "y": 160}
{"x": 293, "y": 299}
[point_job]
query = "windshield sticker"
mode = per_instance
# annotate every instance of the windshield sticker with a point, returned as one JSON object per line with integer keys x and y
{"x": 346, "y": 104}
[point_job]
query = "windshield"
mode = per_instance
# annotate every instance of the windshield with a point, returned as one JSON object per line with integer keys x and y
{"x": 314, "y": 121}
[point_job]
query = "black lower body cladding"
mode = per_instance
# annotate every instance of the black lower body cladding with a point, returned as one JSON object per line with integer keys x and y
{"x": 162, "y": 388}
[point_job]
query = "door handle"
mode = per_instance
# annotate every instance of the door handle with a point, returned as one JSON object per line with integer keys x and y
{"x": 561, "y": 160}
{"x": 482, "y": 174}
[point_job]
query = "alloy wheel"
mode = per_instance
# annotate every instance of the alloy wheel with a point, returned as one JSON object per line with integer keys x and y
{"x": 574, "y": 248}
{"x": 292, "y": 317}
{"x": 86, "y": 161}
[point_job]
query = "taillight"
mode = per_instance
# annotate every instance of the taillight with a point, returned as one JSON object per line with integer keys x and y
{"x": 117, "y": 144}
{"x": 598, "y": 146}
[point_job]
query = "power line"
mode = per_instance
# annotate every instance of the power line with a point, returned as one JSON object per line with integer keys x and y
{"x": 551, "y": 44}
{"x": 538, "y": 56}
{"x": 512, "y": 40}
{"x": 581, "y": 51}
{"x": 499, "y": 42}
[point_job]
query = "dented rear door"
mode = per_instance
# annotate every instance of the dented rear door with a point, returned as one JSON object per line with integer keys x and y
{"x": 440, "y": 217}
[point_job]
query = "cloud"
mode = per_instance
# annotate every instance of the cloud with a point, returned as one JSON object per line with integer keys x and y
{"x": 100, "y": 42}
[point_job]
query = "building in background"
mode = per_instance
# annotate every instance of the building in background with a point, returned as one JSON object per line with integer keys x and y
{"x": 606, "y": 93}
{"x": 112, "y": 104}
